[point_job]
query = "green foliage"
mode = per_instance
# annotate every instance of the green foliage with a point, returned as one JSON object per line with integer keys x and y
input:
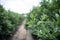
{"x": 44, "y": 21}
{"x": 8, "y": 22}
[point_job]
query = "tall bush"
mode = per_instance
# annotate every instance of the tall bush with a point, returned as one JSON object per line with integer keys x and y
{"x": 43, "y": 21}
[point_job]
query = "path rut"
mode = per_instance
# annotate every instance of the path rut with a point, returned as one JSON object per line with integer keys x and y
{"x": 22, "y": 33}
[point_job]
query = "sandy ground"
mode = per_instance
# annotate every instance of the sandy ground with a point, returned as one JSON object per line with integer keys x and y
{"x": 22, "y": 33}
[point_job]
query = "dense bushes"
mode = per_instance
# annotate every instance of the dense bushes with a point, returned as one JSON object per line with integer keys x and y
{"x": 44, "y": 20}
{"x": 8, "y": 22}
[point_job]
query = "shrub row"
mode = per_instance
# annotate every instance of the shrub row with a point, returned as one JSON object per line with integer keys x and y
{"x": 8, "y": 22}
{"x": 44, "y": 21}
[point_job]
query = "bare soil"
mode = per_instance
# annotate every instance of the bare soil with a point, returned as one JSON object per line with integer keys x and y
{"x": 22, "y": 33}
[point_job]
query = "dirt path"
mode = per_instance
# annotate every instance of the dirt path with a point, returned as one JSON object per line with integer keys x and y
{"x": 22, "y": 33}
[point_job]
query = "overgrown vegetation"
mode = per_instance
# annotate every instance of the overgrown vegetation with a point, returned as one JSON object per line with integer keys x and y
{"x": 8, "y": 22}
{"x": 44, "y": 20}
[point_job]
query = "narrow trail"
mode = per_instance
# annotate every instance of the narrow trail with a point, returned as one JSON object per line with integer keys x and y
{"x": 22, "y": 33}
